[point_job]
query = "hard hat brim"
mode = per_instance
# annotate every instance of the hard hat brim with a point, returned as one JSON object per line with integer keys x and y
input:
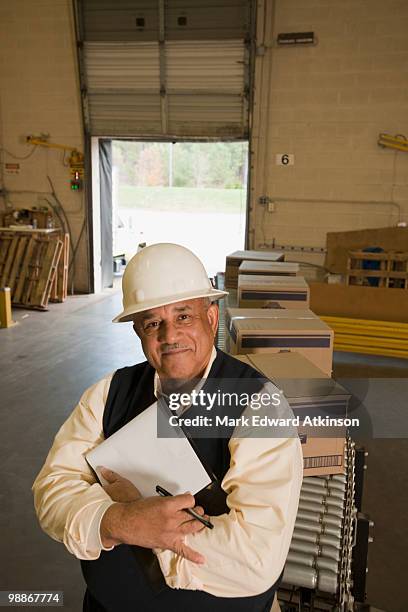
{"x": 128, "y": 313}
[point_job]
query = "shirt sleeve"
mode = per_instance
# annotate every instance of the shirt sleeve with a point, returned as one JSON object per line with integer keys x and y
{"x": 68, "y": 500}
{"x": 247, "y": 549}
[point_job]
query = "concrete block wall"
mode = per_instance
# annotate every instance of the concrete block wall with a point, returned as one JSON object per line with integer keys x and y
{"x": 326, "y": 104}
{"x": 39, "y": 92}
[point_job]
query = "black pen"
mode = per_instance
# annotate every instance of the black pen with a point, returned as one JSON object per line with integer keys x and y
{"x": 191, "y": 512}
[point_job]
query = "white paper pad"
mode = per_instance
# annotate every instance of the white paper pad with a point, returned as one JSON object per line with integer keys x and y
{"x": 135, "y": 452}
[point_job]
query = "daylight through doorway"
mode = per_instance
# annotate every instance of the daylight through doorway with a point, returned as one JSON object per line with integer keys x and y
{"x": 190, "y": 193}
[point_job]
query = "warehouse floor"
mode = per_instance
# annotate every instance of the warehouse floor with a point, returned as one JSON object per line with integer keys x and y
{"x": 48, "y": 359}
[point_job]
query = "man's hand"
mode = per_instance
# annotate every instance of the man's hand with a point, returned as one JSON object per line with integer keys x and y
{"x": 118, "y": 488}
{"x": 153, "y": 522}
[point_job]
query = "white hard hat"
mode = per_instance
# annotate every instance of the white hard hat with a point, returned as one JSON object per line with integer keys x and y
{"x": 163, "y": 274}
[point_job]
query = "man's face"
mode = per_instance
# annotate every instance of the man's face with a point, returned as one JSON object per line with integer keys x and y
{"x": 177, "y": 339}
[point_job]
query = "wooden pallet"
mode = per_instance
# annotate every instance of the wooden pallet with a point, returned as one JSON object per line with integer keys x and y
{"x": 59, "y": 291}
{"x": 28, "y": 265}
{"x": 392, "y": 272}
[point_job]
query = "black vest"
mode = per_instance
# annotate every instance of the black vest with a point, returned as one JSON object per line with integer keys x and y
{"x": 125, "y": 578}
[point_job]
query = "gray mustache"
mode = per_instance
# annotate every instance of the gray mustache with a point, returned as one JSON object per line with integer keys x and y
{"x": 176, "y": 345}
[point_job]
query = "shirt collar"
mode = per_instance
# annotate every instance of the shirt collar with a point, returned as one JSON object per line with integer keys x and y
{"x": 157, "y": 384}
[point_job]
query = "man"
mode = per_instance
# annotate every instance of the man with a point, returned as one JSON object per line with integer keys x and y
{"x": 237, "y": 565}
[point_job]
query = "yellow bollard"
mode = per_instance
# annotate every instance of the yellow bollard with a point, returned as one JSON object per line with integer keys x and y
{"x": 5, "y": 307}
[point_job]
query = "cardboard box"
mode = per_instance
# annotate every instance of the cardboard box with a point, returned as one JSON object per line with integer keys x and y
{"x": 255, "y": 291}
{"x": 282, "y": 365}
{"x": 269, "y": 268}
{"x": 233, "y": 312}
{"x": 266, "y": 313}
{"x": 322, "y": 456}
{"x": 272, "y": 331}
{"x": 234, "y": 260}
{"x": 308, "y": 390}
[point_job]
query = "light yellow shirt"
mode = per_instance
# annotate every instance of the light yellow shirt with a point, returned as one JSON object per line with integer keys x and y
{"x": 245, "y": 552}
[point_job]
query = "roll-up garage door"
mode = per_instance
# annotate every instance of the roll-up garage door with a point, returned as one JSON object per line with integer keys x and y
{"x": 164, "y": 68}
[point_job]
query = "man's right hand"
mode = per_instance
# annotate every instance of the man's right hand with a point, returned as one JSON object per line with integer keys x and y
{"x": 152, "y": 522}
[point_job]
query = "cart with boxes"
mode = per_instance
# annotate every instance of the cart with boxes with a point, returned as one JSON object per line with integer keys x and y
{"x": 290, "y": 345}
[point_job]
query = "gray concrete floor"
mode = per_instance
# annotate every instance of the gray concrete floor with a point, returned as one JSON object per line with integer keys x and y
{"x": 48, "y": 359}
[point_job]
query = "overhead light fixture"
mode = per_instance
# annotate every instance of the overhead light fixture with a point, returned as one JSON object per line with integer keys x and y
{"x": 296, "y": 38}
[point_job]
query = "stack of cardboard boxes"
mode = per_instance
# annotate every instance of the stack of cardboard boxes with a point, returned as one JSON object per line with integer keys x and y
{"x": 292, "y": 347}
{"x": 308, "y": 390}
{"x": 234, "y": 260}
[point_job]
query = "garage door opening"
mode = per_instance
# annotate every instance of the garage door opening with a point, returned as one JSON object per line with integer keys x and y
{"x": 190, "y": 193}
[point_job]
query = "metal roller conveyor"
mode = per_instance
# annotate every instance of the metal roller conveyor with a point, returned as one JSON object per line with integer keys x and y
{"x": 325, "y": 563}
{"x": 310, "y": 560}
{"x": 312, "y": 517}
{"x": 319, "y": 517}
{"x": 330, "y": 519}
{"x": 305, "y": 547}
{"x": 327, "y": 581}
{"x": 327, "y": 492}
{"x": 340, "y": 490}
{"x": 329, "y": 540}
{"x": 306, "y": 536}
{"x": 310, "y": 578}
{"x": 315, "y": 549}
{"x": 332, "y": 530}
{"x": 316, "y": 538}
{"x": 339, "y": 478}
{"x": 320, "y": 508}
{"x": 330, "y": 552}
{"x": 319, "y": 527}
{"x": 315, "y": 481}
{"x": 310, "y": 506}
{"x": 324, "y": 543}
{"x": 336, "y": 493}
{"x": 301, "y": 558}
{"x": 319, "y": 487}
{"x": 335, "y": 502}
{"x": 326, "y": 482}
{"x": 300, "y": 575}
{"x": 334, "y": 484}
{"x": 320, "y": 499}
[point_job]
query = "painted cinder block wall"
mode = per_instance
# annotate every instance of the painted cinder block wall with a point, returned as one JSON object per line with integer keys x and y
{"x": 39, "y": 92}
{"x": 326, "y": 104}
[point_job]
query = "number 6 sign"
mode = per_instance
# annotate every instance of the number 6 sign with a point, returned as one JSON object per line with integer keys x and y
{"x": 285, "y": 159}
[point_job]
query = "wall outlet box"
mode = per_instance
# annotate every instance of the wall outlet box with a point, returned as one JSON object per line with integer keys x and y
{"x": 271, "y": 207}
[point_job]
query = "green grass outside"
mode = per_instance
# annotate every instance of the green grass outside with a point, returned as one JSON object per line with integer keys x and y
{"x": 182, "y": 199}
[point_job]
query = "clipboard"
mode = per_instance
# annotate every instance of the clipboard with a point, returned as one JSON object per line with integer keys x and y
{"x": 136, "y": 453}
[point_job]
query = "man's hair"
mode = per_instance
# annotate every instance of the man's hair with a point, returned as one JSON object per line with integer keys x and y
{"x": 207, "y": 302}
